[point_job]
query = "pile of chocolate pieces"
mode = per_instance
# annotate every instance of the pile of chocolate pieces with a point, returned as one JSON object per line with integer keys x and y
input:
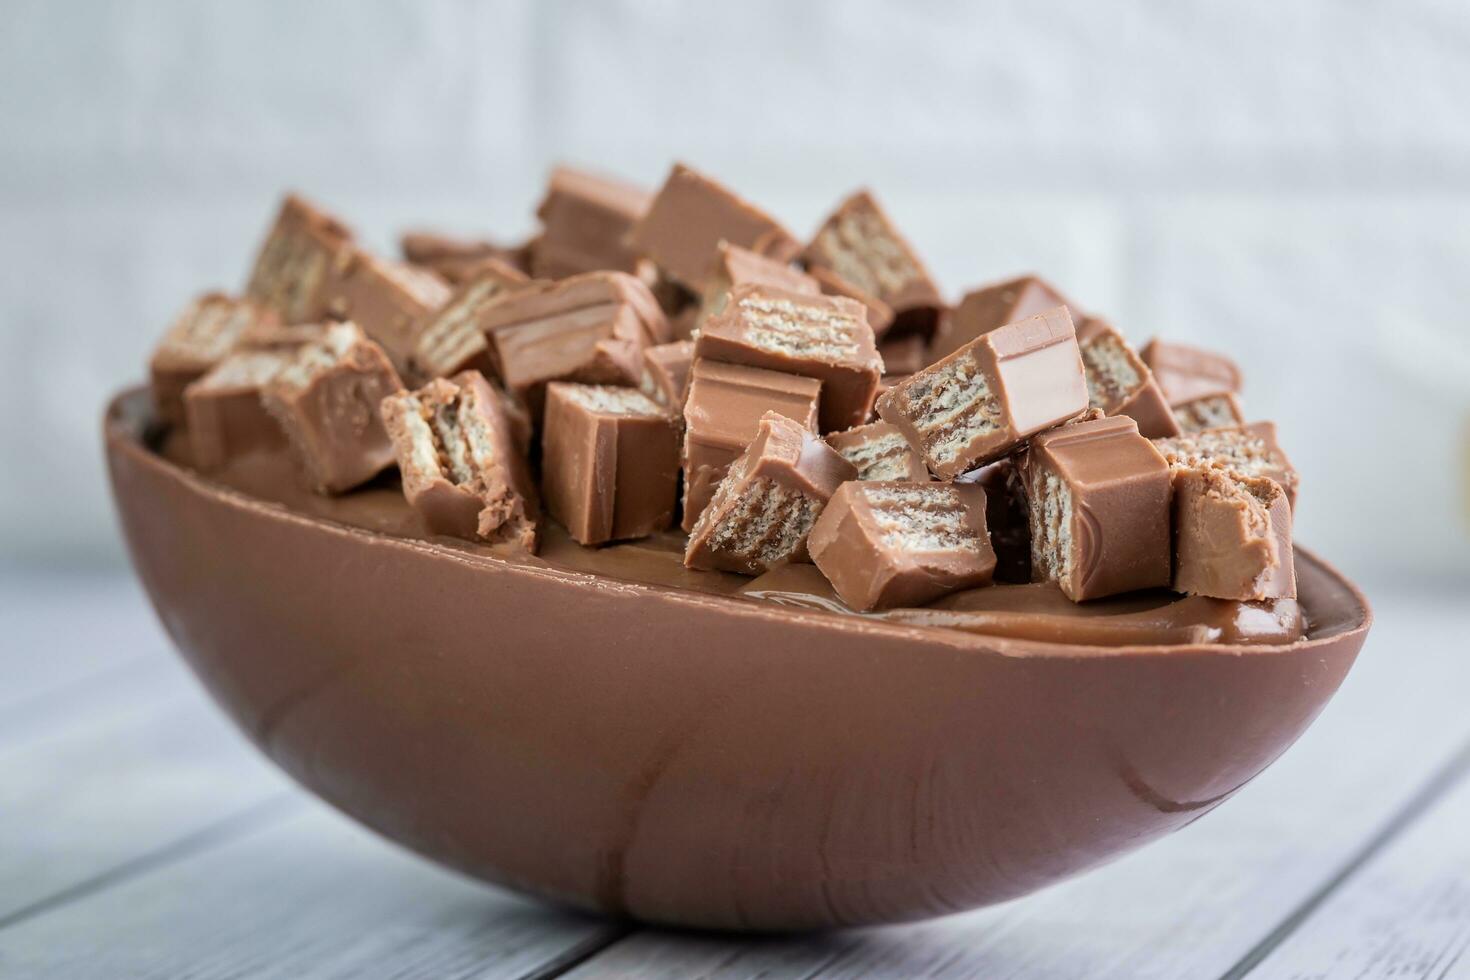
{"x": 818, "y": 402}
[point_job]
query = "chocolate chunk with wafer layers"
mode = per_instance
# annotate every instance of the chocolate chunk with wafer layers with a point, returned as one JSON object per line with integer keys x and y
{"x": 1232, "y": 536}
{"x": 880, "y": 452}
{"x": 736, "y": 266}
{"x": 1185, "y": 372}
{"x": 389, "y": 300}
{"x": 585, "y": 221}
{"x": 886, "y": 544}
{"x": 457, "y": 260}
{"x": 1217, "y": 411}
{"x": 991, "y": 307}
{"x": 1119, "y": 383}
{"x": 451, "y": 339}
{"x": 295, "y": 269}
{"x": 666, "y": 373}
{"x": 768, "y": 501}
{"x": 226, "y": 417}
{"x": 1251, "y": 450}
{"x": 200, "y": 338}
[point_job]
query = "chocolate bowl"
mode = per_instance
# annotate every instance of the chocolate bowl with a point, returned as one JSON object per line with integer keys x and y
{"x": 691, "y": 758}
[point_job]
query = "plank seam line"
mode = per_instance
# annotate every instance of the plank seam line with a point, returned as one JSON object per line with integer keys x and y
{"x": 574, "y": 956}
{"x": 241, "y": 823}
{"x": 1440, "y": 783}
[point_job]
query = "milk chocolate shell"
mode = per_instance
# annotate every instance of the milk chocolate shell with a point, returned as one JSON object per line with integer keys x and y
{"x": 690, "y": 758}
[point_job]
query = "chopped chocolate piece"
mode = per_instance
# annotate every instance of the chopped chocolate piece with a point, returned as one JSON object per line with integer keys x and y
{"x": 224, "y": 410}
{"x": 456, "y": 260}
{"x": 542, "y": 301}
{"x": 1007, "y": 518}
{"x": 902, "y": 544}
{"x": 294, "y": 270}
{"x": 904, "y": 355}
{"x": 736, "y": 266}
{"x": 982, "y": 401}
{"x": 1232, "y": 536}
{"x": 1185, "y": 373}
{"x": 592, "y": 345}
{"x": 274, "y": 335}
{"x": 993, "y": 306}
{"x": 765, "y": 506}
{"x": 585, "y": 221}
{"x": 1119, "y": 383}
{"x": 688, "y": 219}
{"x": 880, "y": 314}
{"x": 860, "y": 244}
{"x": 1250, "y": 450}
{"x": 207, "y": 330}
{"x": 389, "y": 300}
{"x": 880, "y": 452}
{"x": 722, "y": 414}
{"x": 1216, "y": 411}
{"x": 1098, "y": 494}
{"x": 610, "y": 462}
{"x": 461, "y": 468}
{"x": 326, "y": 399}
{"x": 823, "y": 337}
{"x": 451, "y": 339}
{"x": 666, "y": 373}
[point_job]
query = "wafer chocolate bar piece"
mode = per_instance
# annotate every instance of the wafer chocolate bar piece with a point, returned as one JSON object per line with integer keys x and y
{"x": 880, "y": 452}
{"x": 326, "y": 399}
{"x": 688, "y": 219}
{"x": 389, "y": 300}
{"x": 823, "y": 337}
{"x": 880, "y": 314}
{"x": 201, "y": 336}
{"x": 462, "y": 471}
{"x": 1250, "y": 450}
{"x": 1098, "y": 494}
{"x": 902, "y": 544}
{"x": 1232, "y": 536}
{"x": 860, "y": 244}
{"x": 294, "y": 270}
{"x": 226, "y": 417}
{"x": 736, "y": 266}
{"x": 1215, "y": 411}
{"x": 982, "y": 401}
{"x": 585, "y": 220}
{"x": 994, "y": 306}
{"x": 666, "y": 373}
{"x": 539, "y": 302}
{"x": 1119, "y": 383}
{"x": 457, "y": 260}
{"x": 1185, "y": 373}
{"x": 766, "y": 505}
{"x": 451, "y": 339}
{"x": 610, "y": 462}
{"x": 722, "y": 414}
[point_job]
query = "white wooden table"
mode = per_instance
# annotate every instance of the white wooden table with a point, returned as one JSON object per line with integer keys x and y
{"x": 141, "y": 837}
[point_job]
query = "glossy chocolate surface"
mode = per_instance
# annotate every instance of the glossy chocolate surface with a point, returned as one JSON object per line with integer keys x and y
{"x": 714, "y": 750}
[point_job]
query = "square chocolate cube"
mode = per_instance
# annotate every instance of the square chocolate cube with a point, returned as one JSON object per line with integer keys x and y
{"x": 293, "y": 272}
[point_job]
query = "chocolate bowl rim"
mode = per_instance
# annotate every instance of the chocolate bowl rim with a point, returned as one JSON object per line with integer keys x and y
{"x": 119, "y": 431}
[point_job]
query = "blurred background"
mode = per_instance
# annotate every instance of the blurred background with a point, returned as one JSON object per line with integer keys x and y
{"x": 1287, "y": 182}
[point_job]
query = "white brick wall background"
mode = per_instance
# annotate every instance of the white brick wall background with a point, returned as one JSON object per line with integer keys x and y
{"x": 1290, "y": 182}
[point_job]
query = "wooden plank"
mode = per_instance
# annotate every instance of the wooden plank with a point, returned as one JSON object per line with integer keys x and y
{"x": 1404, "y": 913}
{"x": 1197, "y": 903}
{"x": 309, "y": 896}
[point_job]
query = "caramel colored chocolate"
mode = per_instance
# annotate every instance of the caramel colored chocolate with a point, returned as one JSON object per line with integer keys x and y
{"x": 880, "y": 314}
{"x": 982, "y": 401}
{"x": 1185, "y": 373}
{"x": 208, "y": 329}
{"x": 886, "y": 544}
{"x": 226, "y": 417}
{"x": 861, "y": 246}
{"x": 1119, "y": 383}
{"x": 451, "y": 339}
{"x": 293, "y": 274}
{"x": 722, "y": 414}
{"x": 457, "y": 260}
{"x": 609, "y": 461}
{"x": 389, "y": 300}
{"x": 326, "y": 399}
{"x": 666, "y": 373}
{"x": 593, "y": 345}
{"x": 532, "y": 307}
{"x": 1218, "y": 411}
{"x": 736, "y": 266}
{"x": 688, "y": 219}
{"x": 994, "y": 306}
{"x": 904, "y": 355}
{"x": 1232, "y": 536}
{"x": 879, "y": 452}
{"x": 1098, "y": 494}
{"x": 765, "y": 506}
{"x": 1250, "y": 450}
{"x": 585, "y": 221}
{"x": 1007, "y": 517}
{"x": 822, "y": 337}
{"x": 462, "y": 470}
